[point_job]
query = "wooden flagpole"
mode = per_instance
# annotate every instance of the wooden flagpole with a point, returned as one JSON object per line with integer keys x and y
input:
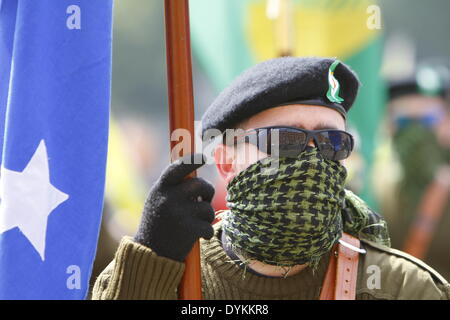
{"x": 181, "y": 114}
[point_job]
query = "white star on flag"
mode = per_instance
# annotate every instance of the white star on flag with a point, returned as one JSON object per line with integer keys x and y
{"x": 28, "y": 198}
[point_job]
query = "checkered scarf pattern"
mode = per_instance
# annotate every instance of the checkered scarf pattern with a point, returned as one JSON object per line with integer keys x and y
{"x": 289, "y": 213}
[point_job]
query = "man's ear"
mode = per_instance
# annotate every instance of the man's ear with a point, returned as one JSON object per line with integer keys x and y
{"x": 224, "y": 156}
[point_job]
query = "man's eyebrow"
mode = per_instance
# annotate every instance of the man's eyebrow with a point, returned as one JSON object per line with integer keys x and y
{"x": 322, "y": 126}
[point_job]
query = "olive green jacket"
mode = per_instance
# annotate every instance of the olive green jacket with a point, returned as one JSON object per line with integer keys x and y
{"x": 383, "y": 273}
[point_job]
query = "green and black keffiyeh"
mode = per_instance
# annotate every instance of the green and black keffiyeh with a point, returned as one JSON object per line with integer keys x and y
{"x": 289, "y": 211}
{"x": 420, "y": 156}
{"x": 362, "y": 222}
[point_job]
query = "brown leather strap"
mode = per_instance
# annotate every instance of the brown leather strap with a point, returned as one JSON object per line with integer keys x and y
{"x": 329, "y": 283}
{"x": 347, "y": 269}
{"x": 342, "y": 273}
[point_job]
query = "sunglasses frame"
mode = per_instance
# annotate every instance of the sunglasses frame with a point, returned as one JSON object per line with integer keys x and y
{"x": 310, "y": 134}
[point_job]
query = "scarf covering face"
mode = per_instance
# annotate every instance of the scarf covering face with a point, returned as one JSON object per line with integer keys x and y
{"x": 292, "y": 213}
{"x": 419, "y": 154}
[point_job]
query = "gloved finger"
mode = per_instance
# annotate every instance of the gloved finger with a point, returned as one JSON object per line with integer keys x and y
{"x": 180, "y": 168}
{"x": 202, "y": 211}
{"x": 203, "y": 229}
{"x": 206, "y": 231}
{"x": 195, "y": 187}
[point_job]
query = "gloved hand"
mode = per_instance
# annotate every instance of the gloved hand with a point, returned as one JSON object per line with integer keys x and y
{"x": 173, "y": 217}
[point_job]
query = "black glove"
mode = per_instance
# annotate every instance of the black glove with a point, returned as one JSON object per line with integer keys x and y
{"x": 173, "y": 217}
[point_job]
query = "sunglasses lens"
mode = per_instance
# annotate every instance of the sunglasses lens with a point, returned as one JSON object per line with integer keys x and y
{"x": 291, "y": 143}
{"x": 284, "y": 142}
{"x": 334, "y": 145}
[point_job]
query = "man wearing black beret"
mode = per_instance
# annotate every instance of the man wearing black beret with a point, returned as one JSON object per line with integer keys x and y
{"x": 293, "y": 231}
{"x": 419, "y": 121}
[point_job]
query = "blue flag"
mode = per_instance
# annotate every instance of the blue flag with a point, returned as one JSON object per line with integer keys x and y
{"x": 55, "y": 73}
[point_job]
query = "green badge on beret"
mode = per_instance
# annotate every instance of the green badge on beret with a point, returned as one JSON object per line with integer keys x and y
{"x": 333, "y": 85}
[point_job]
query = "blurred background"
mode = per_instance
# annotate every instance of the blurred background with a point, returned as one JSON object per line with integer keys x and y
{"x": 400, "y": 50}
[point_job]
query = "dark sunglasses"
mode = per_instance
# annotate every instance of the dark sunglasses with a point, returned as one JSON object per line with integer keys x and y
{"x": 332, "y": 144}
{"x": 428, "y": 121}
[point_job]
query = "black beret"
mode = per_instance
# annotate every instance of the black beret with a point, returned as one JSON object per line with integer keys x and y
{"x": 407, "y": 86}
{"x": 282, "y": 81}
{"x": 398, "y": 88}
